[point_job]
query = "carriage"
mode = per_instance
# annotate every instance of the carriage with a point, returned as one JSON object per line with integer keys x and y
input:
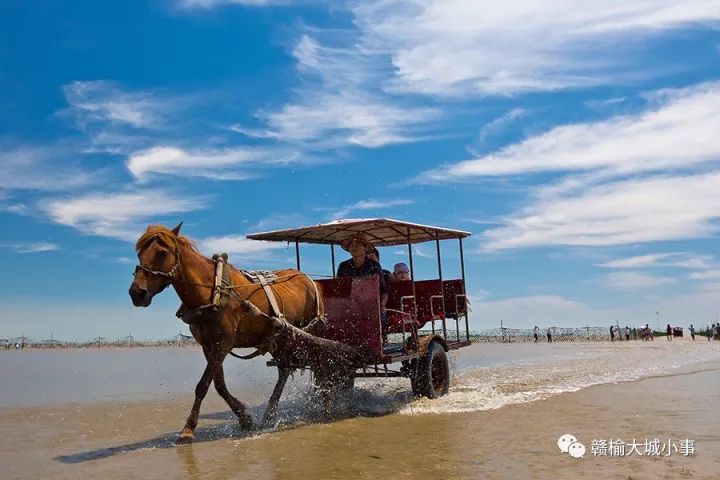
{"x": 425, "y": 318}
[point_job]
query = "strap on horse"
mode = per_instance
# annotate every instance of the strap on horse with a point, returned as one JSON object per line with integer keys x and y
{"x": 265, "y": 278}
{"x": 222, "y": 282}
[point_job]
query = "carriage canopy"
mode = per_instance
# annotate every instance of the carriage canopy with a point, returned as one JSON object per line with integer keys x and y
{"x": 378, "y": 231}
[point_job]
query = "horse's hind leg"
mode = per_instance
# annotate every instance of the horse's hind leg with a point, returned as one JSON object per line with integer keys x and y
{"x": 283, "y": 374}
{"x": 235, "y": 405}
{"x": 200, "y": 391}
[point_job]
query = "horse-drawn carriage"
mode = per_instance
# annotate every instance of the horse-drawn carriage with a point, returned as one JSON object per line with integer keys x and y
{"x": 331, "y": 326}
{"x": 418, "y": 311}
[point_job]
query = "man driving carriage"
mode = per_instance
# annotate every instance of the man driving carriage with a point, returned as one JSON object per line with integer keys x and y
{"x": 360, "y": 265}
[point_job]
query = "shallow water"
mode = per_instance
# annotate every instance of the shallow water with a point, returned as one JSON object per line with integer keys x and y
{"x": 485, "y": 376}
{"x": 115, "y": 413}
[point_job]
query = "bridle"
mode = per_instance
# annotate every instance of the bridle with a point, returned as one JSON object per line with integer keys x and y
{"x": 170, "y": 275}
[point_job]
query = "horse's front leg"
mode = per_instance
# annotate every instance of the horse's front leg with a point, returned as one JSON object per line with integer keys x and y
{"x": 235, "y": 405}
{"x": 271, "y": 412}
{"x": 200, "y": 391}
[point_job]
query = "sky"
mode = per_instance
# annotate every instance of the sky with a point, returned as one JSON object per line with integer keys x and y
{"x": 579, "y": 145}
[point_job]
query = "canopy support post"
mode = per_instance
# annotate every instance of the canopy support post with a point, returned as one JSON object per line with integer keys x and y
{"x": 297, "y": 253}
{"x": 442, "y": 302}
{"x": 332, "y": 258}
{"x": 462, "y": 270}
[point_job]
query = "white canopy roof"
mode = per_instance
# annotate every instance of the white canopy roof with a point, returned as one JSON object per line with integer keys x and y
{"x": 378, "y": 231}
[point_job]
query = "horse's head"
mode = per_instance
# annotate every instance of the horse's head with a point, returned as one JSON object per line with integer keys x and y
{"x": 159, "y": 260}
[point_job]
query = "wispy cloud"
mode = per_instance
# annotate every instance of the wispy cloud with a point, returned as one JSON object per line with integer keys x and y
{"x": 239, "y": 245}
{"x": 120, "y": 215}
{"x": 370, "y": 205}
{"x": 42, "y": 169}
{"x": 339, "y": 104}
{"x": 671, "y": 260}
{"x": 706, "y": 275}
{"x": 634, "y": 280}
{"x": 525, "y": 46}
{"x": 678, "y": 130}
{"x": 32, "y": 247}
{"x": 210, "y": 4}
{"x": 105, "y": 101}
{"x": 496, "y": 125}
{"x": 622, "y": 212}
{"x": 232, "y": 163}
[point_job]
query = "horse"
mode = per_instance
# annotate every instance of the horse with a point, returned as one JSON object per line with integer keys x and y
{"x": 167, "y": 258}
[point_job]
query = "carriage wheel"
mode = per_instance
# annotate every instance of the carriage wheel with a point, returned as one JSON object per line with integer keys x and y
{"x": 432, "y": 378}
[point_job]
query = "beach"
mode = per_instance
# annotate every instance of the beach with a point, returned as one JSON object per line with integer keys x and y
{"x": 502, "y": 419}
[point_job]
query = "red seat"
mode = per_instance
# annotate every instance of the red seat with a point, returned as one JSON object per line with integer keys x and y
{"x": 400, "y": 299}
{"x": 429, "y": 295}
{"x": 455, "y": 301}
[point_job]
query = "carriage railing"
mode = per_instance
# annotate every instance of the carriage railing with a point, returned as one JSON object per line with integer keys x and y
{"x": 409, "y": 312}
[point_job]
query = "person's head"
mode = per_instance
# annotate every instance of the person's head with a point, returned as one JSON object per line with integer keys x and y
{"x": 401, "y": 272}
{"x": 373, "y": 254}
{"x": 356, "y": 245}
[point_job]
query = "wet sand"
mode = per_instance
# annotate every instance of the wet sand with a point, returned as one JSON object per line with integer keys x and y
{"x": 136, "y": 440}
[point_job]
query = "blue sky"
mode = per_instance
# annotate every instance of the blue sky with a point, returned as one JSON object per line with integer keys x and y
{"x": 580, "y": 147}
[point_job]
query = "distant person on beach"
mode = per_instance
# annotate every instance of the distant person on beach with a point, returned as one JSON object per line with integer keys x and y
{"x": 708, "y": 332}
{"x": 668, "y": 331}
{"x": 536, "y": 331}
{"x": 549, "y": 335}
{"x": 627, "y": 333}
{"x": 612, "y": 333}
{"x": 692, "y": 331}
{"x": 717, "y": 332}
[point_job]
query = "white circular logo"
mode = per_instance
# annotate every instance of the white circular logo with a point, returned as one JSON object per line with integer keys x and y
{"x": 565, "y": 441}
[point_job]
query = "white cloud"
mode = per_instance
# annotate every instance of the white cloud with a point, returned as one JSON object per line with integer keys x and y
{"x": 628, "y": 211}
{"x": 104, "y": 101}
{"x": 239, "y": 245}
{"x": 223, "y": 164}
{"x": 41, "y": 168}
{"x": 210, "y": 4}
{"x": 454, "y": 47}
{"x": 121, "y": 215}
{"x": 707, "y": 275}
{"x": 678, "y": 131}
{"x": 671, "y": 259}
{"x": 32, "y": 247}
{"x": 499, "y": 123}
{"x": 542, "y": 310}
{"x": 370, "y": 204}
{"x": 528, "y": 311}
{"x": 633, "y": 280}
{"x": 348, "y": 119}
{"x": 338, "y": 103}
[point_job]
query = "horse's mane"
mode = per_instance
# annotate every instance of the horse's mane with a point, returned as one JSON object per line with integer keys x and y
{"x": 173, "y": 241}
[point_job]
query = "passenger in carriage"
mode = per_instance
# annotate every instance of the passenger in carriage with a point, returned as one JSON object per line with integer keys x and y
{"x": 360, "y": 265}
{"x": 374, "y": 254}
{"x": 400, "y": 272}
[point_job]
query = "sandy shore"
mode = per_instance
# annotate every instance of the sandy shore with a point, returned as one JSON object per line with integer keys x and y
{"x": 135, "y": 440}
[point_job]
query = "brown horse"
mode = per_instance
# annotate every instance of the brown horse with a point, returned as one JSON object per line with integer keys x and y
{"x": 168, "y": 258}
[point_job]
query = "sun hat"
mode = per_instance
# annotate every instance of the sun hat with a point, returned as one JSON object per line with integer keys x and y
{"x": 401, "y": 267}
{"x": 354, "y": 238}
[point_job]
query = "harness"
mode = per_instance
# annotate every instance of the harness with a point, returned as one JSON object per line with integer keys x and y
{"x": 223, "y": 288}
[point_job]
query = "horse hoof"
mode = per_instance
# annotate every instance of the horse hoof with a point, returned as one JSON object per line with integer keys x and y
{"x": 184, "y": 438}
{"x": 245, "y": 422}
